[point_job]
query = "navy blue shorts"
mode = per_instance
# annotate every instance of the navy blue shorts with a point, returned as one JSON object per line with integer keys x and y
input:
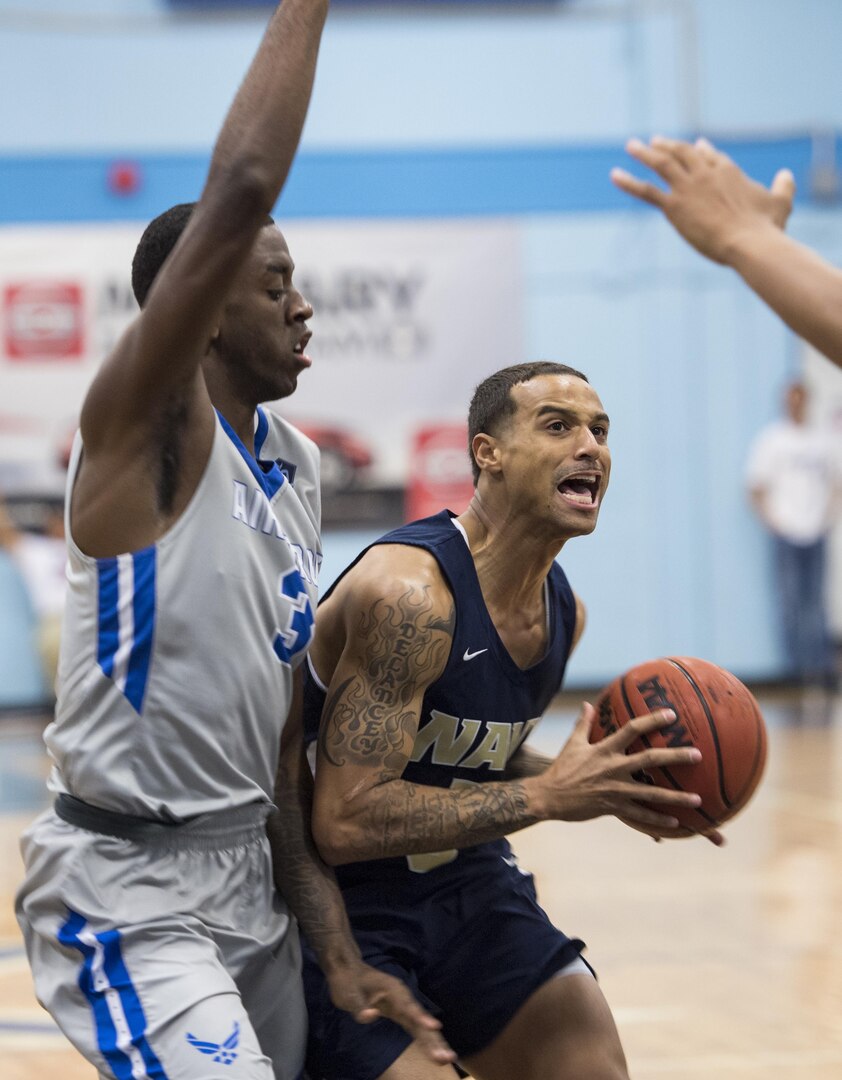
{"x": 472, "y": 950}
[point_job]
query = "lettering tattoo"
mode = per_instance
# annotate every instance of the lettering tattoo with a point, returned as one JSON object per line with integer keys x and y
{"x": 371, "y": 721}
{"x": 368, "y": 720}
{"x": 401, "y": 818}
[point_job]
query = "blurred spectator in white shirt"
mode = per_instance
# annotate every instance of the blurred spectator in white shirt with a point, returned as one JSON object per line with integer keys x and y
{"x": 793, "y": 478}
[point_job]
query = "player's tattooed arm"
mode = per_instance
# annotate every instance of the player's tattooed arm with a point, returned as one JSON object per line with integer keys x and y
{"x": 401, "y": 642}
{"x": 399, "y": 630}
{"x": 309, "y": 888}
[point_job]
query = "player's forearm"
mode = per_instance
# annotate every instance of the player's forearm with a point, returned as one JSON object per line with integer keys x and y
{"x": 261, "y": 132}
{"x": 795, "y": 282}
{"x": 399, "y": 818}
{"x": 527, "y": 762}
{"x": 302, "y": 878}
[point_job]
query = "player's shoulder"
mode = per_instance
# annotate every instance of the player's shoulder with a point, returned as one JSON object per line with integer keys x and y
{"x": 391, "y": 574}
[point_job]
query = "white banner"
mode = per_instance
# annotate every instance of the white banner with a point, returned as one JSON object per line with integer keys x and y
{"x": 409, "y": 317}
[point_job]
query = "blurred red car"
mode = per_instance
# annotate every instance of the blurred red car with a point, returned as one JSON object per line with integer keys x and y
{"x": 344, "y": 456}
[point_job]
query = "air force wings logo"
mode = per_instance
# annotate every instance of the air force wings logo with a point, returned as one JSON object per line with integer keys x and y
{"x": 225, "y": 1053}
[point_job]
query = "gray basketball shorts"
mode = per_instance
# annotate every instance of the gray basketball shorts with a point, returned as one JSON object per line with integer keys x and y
{"x": 169, "y": 955}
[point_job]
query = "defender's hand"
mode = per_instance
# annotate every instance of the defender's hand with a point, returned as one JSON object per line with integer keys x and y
{"x": 368, "y": 994}
{"x": 588, "y": 780}
{"x": 710, "y": 201}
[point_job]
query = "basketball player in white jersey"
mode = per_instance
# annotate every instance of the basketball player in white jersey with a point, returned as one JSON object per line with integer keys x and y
{"x": 156, "y": 937}
{"x": 733, "y": 220}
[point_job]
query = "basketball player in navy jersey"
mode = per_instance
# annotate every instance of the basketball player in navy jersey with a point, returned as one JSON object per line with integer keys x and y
{"x": 437, "y": 652}
{"x": 733, "y": 220}
{"x": 156, "y": 936}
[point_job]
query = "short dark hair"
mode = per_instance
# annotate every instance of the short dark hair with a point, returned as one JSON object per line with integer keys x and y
{"x": 492, "y": 403}
{"x": 159, "y": 238}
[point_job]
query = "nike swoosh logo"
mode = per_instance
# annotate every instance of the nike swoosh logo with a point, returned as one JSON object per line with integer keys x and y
{"x": 470, "y": 655}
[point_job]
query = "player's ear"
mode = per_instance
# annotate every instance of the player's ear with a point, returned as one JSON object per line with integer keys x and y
{"x": 486, "y": 452}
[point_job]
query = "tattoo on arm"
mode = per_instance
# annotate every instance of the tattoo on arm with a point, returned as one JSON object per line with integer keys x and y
{"x": 401, "y": 818}
{"x": 370, "y": 720}
{"x": 403, "y": 646}
{"x": 306, "y": 883}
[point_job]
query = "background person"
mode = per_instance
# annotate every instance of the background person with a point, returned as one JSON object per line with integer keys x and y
{"x": 793, "y": 479}
{"x": 41, "y": 560}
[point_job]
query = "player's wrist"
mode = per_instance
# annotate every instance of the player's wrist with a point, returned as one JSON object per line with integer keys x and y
{"x": 339, "y": 957}
{"x": 745, "y": 242}
{"x": 538, "y": 797}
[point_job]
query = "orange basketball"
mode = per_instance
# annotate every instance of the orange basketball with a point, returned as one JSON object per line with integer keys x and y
{"x": 714, "y": 712}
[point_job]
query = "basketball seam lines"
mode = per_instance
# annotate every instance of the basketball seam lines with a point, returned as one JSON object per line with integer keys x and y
{"x": 713, "y": 731}
{"x": 644, "y": 739}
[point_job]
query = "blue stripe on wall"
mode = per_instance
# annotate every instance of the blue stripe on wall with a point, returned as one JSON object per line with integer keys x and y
{"x": 371, "y": 184}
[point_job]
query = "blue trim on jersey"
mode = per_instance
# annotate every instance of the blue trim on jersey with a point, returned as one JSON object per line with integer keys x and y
{"x": 143, "y": 620}
{"x": 108, "y": 637}
{"x": 270, "y": 481}
{"x": 118, "y": 976}
{"x": 118, "y": 979}
{"x": 261, "y": 432}
{"x": 143, "y": 606}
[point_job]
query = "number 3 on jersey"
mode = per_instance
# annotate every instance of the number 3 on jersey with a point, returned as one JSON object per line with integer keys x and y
{"x": 293, "y": 639}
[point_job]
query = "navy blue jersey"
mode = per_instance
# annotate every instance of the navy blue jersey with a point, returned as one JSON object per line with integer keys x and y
{"x": 477, "y": 714}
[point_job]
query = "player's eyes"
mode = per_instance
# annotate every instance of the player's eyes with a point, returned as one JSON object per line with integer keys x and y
{"x": 600, "y": 432}
{"x": 274, "y": 294}
{"x": 557, "y": 425}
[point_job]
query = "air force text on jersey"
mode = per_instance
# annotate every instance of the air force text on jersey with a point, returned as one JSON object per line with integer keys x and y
{"x": 253, "y": 508}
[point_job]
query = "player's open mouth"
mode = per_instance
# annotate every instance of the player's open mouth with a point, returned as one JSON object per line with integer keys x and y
{"x": 301, "y": 346}
{"x": 581, "y": 490}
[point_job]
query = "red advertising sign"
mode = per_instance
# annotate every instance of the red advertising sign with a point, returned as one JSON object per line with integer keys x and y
{"x": 439, "y": 471}
{"x": 44, "y": 320}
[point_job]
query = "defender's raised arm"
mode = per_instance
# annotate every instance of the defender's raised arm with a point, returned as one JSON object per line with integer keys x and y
{"x": 147, "y": 422}
{"x": 733, "y": 220}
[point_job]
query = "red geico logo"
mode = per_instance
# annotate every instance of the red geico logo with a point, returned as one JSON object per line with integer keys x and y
{"x": 44, "y": 320}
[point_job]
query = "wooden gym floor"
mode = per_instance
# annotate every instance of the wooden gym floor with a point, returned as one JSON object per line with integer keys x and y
{"x": 717, "y": 963}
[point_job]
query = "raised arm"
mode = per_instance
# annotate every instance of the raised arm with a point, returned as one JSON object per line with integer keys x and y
{"x": 150, "y": 391}
{"x": 397, "y": 618}
{"x": 733, "y": 220}
{"x": 310, "y": 890}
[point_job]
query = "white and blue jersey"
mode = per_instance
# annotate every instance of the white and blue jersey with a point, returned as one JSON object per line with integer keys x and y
{"x": 156, "y": 936}
{"x": 176, "y": 662}
{"x": 481, "y": 709}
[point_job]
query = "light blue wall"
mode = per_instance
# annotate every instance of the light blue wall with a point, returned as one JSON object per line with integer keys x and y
{"x": 688, "y": 363}
{"x": 122, "y": 74}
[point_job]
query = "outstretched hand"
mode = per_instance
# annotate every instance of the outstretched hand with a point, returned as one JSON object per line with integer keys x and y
{"x": 710, "y": 201}
{"x": 588, "y": 780}
{"x": 369, "y": 994}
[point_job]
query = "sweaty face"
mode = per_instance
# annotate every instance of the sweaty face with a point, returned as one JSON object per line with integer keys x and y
{"x": 554, "y": 454}
{"x": 263, "y": 332}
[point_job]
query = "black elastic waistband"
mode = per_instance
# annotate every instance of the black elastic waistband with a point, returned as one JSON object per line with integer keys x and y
{"x": 205, "y": 832}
